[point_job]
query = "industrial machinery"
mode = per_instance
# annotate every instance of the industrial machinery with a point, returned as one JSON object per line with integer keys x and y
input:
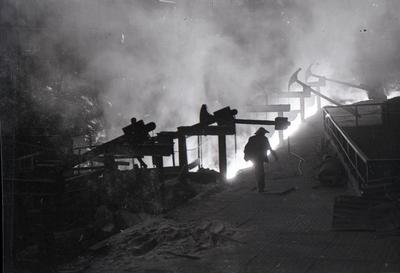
{"x": 374, "y": 93}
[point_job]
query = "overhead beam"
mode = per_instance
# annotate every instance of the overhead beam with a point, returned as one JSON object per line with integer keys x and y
{"x": 256, "y": 122}
{"x": 208, "y": 130}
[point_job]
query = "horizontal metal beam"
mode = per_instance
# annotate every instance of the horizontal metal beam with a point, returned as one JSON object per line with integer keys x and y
{"x": 145, "y": 150}
{"x": 254, "y": 121}
{"x": 207, "y": 130}
{"x": 171, "y": 134}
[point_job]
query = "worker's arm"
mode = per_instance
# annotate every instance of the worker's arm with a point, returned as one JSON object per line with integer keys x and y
{"x": 272, "y": 151}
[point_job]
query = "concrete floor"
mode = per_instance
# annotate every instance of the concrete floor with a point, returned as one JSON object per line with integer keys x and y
{"x": 279, "y": 233}
{"x": 288, "y": 233}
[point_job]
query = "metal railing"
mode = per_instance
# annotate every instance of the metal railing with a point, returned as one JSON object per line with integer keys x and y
{"x": 375, "y": 176}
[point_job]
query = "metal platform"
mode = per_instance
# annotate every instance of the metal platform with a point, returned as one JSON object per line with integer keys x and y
{"x": 368, "y": 145}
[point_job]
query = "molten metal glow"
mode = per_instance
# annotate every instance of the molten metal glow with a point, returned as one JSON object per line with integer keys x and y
{"x": 393, "y": 94}
{"x": 237, "y": 165}
{"x": 294, "y": 126}
{"x": 311, "y": 110}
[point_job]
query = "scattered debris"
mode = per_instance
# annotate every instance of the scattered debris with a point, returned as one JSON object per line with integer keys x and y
{"x": 121, "y": 202}
{"x": 204, "y": 176}
{"x": 244, "y": 222}
{"x": 147, "y": 245}
{"x": 124, "y": 218}
{"x": 100, "y": 245}
{"x": 162, "y": 238}
{"x": 222, "y": 236}
{"x": 177, "y": 192}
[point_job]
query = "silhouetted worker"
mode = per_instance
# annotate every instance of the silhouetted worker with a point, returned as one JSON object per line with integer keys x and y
{"x": 256, "y": 150}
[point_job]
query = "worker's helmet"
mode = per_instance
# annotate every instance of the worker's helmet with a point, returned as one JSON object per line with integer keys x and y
{"x": 261, "y": 131}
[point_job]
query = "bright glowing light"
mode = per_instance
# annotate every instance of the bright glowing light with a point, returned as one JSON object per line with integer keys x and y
{"x": 240, "y": 163}
{"x": 349, "y": 97}
{"x": 311, "y": 110}
{"x": 237, "y": 165}
{"x": 274, "y": 140}
{"x": 393, "y": 94}
{"x": 294, "y": 126}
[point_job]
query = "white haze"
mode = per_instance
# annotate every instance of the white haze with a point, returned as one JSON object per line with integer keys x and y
{"x": 160, "y": 60}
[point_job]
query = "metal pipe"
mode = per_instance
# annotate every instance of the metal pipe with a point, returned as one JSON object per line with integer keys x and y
{"x": 253, "y": 121}
{"x": 319, "y": 94}
{"x": 359, "y": 86}
{"x": 294, "y": 78}
{"x": 323, "y": 78}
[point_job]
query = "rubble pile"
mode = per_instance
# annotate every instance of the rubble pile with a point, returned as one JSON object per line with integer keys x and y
{"x": 156, "y": 240}
{"x": 160, "y": 238}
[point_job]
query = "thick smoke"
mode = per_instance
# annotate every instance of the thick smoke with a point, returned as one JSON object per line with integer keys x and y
{"x": 355, "y": 41}
{"x": 160, "y": 60}
{"x": 169, "y": 58}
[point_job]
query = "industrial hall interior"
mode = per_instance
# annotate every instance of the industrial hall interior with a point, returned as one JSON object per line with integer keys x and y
{"x": 201, "y": 136}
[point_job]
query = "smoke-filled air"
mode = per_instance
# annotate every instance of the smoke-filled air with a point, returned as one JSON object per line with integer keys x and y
{"x": 161, "y": 60}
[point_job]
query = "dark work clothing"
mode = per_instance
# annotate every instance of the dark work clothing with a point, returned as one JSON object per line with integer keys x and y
{"x": 256, "y": 151}
{"x": 259, "y": 173}
{"x": 257, "y": 147}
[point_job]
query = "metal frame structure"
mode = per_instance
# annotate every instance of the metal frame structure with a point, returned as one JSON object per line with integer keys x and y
{"x": 271, "y": 108}
{"x": 374, "y": 176}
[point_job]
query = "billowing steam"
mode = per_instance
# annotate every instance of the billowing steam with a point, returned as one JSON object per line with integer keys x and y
{"x": 160, "y": 60}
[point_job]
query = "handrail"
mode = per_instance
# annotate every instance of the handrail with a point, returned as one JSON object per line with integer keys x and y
{"x": 359, "y": 152}
{"x": 348, "y": 157}
{"x": 377, "y": 183}
{"x": 347, "y": 138}
{"x": 355, "y": 105}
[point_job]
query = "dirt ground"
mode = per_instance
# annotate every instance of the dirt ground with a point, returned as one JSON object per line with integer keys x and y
{"x": 237, "y": 229}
